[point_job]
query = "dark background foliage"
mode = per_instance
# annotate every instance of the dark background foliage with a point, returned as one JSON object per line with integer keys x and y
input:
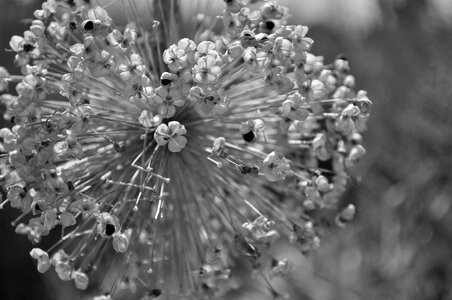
{"x": 400, "y": 245}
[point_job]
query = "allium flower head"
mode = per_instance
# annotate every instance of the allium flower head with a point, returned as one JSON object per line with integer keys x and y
{"x": 161, "y": 158}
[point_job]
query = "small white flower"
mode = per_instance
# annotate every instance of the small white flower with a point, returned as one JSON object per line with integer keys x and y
{"x": 81, "y": 280}
{"x": 276, "y": 166}
{"x": 171, "y": 134}
{"x": 107, "y": 224}
{"x": 294, "y": 107}
{"x": 281, "y": 268}
{"x": 43, "y": 259}
{"x": 67, "y": 219}
{"x": 148, "y": 119}
{"x": 120, "y": 242}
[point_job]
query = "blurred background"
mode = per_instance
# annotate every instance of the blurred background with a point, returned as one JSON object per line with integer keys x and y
{"x": 400, "y": 245}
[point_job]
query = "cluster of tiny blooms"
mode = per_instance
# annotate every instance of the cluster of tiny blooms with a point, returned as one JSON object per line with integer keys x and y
{"x": 156, "y": 159}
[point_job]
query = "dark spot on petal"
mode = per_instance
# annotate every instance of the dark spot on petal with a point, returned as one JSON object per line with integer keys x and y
{"x": 119, "y": 147}
{"x": 45, "y": 143}
{"x": 72, "y": 25}
{"x": 165, "y": 81}
{"x": 155, "y": 292}
{"x": 269, "y": 25}
{"x": 28, "y": 47}
{"x": 341, "y": 56}
{"x": 88, "y": 25}
{"x": 110, "y": 229}
{"x": 249, "y": 137}
{"x": 251, "y": 170}
{"x": 70, "y": 185}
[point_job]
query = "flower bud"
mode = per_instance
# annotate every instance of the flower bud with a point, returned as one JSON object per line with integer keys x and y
{"x": 43, "y": 259}
{"x": 120, "y": 242}
{"x": 345, "y": 216}
{"x": 80, "y": 279}
{"x": 4, "y": 79}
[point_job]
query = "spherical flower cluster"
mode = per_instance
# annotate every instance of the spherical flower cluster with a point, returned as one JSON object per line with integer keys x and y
{"x": 161, "y": 159}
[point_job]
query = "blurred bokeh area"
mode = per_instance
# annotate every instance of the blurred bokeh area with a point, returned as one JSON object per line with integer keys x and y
{"x": 400, "y": 244}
